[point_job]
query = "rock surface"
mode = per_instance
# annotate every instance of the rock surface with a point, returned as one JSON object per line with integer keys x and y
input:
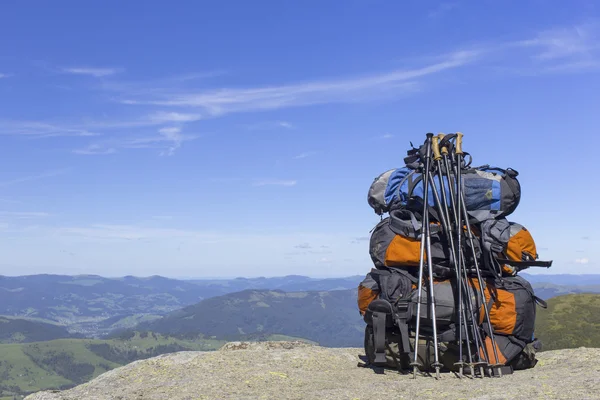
{"x": 296, "y": 370}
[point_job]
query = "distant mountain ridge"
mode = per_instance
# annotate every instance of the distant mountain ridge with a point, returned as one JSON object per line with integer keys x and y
{"x": 563, "y": 279}
{"x": 93, "y": 305}
{"x": 330, "y": 318}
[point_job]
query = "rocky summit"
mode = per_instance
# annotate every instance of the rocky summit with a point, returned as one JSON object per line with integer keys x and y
{"x": 298, "y": 370}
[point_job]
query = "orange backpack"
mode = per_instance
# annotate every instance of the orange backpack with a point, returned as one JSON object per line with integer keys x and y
{"x": 396, "y": 242}
{"x": 520, "y": 247}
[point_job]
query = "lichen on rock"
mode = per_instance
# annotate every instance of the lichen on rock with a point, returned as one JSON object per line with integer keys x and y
{"x": 298, "y": 370}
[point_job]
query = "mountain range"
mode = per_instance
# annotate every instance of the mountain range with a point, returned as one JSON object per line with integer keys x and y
{"x": 94, "y": 306}
{"x": 139, "y": 317}
{"x": 330, "y": 318}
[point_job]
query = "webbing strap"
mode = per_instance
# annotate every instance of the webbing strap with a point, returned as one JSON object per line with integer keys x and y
{"x": 379, "y": 336}
{"x": 525, "y": 264}
{"x": 404, "y": 222}
{"x": 402, "y": 315}
{"x": 540, "y": 302}
{"x": 391, "y": 270}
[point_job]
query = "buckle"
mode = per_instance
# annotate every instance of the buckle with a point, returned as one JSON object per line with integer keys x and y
{"x": 402, "y": 308}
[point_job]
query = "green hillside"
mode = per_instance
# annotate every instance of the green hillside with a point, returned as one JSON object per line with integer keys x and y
{"x": 570, "y": 321}
{"x": 329, "y": 318}
{"x": 24, "y": 330}
{"x": 63, "y": 363}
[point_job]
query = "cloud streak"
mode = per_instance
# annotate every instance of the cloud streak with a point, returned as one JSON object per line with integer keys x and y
{"x": 90, "y": 71}
{"x": 24, "y": 214}
{"x": 95, "y": 149}
{"x": 164, "y": 108}
{"x": 305, "y": 155}
{"x": 275, "y": 182}
{"x": 129, "y": 232}
{"x": 167, "y": 140}
{"x": 43, "y": 175}
{"x": 117, "y": 133}
{"x": 38, "y": 129}
{"x": 565, "y": 49}
{"x": 224, "y": 101}
{"x": 442, "y": 9}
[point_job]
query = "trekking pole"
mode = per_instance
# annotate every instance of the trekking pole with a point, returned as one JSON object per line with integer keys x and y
{"x": 463, "y": 210}
{"x": 463, "y": 280}
{"x": 462, "y": 267}
{"x": 475, "y": 327}
{"x": 436, "y": 364}
{"x": 465, "y": 286}
{"x": 445, "y": 214}
{"x": 444, "y": 151}
{"x": 424, "y": 236}
{"x": 463, "y": 323}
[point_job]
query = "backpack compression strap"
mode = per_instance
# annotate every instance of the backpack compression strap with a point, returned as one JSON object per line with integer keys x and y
{"x": 521, "y": 265}
{"x": 399, "y": 314}
{"x": 402, "y": 316}
{"x": 379, "y": 336}
{"x": 377, "y": 315}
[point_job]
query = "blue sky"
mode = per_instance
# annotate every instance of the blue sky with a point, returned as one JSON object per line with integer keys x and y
{"x": 240, "y": 138}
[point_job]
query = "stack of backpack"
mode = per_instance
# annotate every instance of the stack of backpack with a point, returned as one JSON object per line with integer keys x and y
{"x": 484, "y": 311}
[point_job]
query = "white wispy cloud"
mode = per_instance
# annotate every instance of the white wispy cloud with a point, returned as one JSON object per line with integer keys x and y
{"x": 173, "y": 135}
{"x": 582, "y": 261}
{"x": 24, "y": 214}
{"x": 442, "y": 9}
{"x": 47, "y": 174}
{"x": 285, "y": 124}
{"x": 164, "y": 108}
{"x": 4, "y": 75}
{"x": 305, "y": 155}
{"x": 162, "y": 117}
{"x": 167, "y": 140}
{"x": 227, "y": 100}
{"x": 144, "y": 87}
{"x": 41, "y": 129}
{"x": 91, "y": 71}
{"x": 95, "y": 149}
{"x": 325, "y": 260}
{"x": 108, "y": 231}
{"x": 269, "y": 125}
{"x": 565, "y": 49}
{"x": 275, "y": 182}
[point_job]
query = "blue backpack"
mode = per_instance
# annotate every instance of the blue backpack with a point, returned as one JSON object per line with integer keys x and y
{"x": 489, "y": 192}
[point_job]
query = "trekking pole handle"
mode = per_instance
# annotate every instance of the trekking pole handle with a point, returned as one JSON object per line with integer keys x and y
{"x": 459, "y": 143}
{"x": 436, "y": 148}
{"x": 445, "y": 141}
{"x": 440, "y": 137}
